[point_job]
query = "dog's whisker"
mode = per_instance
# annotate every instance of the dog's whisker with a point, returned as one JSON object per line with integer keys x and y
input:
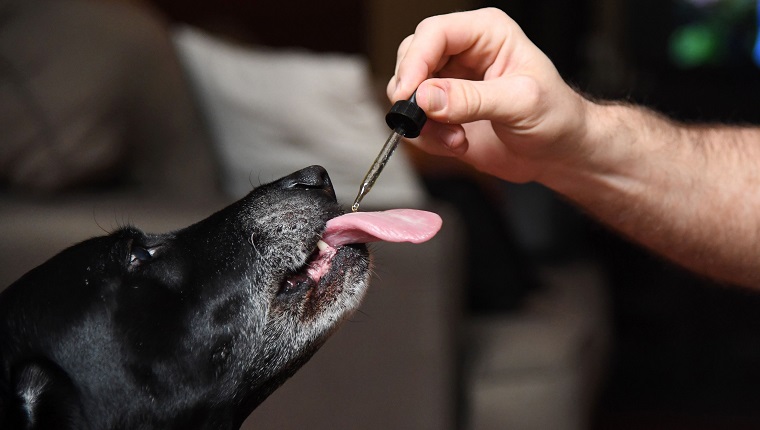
{"x": 262, "y": 257}
{"x": 253, "y": 243}
{"x": 373, "y": 273}
{"x": 258, "y": 178}
{"x": 358, "y": 311}
{"x": 97, "y": 223}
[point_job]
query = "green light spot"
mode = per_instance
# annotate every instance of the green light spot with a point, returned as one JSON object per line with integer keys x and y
{"x": 693, "y": 45}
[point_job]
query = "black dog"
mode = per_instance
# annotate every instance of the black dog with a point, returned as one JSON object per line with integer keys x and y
{"x": 187, "y": 330}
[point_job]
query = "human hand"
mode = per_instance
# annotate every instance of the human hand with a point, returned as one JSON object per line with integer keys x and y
{"x": 492, "y": 97}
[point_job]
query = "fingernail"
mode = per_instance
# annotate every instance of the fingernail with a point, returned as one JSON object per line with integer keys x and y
{"x": 448, "y": 136}
{"x": 451, "y": 138}
{"x": 437, "y": 99}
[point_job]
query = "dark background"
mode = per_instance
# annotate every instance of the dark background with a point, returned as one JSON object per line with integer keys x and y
{"x": 687, "y": 351}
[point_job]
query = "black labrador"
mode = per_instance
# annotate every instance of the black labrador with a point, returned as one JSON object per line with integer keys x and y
{"x": 186, "y": 330}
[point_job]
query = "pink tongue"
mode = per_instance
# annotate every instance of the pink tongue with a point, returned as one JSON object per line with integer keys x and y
{"x": 397, "y": 225}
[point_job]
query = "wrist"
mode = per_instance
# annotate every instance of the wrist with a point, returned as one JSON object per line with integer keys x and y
{"x": 601, "y": 155}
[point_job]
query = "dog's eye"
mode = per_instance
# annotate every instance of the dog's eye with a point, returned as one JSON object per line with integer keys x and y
{"x": 139, "y": 255}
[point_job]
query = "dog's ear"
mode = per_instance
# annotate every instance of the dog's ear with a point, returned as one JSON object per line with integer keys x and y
{"x": 39, "y": 395}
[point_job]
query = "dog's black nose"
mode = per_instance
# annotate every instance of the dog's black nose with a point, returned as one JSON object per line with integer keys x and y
{"x": 310, "y": 178}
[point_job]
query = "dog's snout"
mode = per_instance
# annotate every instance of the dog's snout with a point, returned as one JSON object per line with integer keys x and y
{"x": 310, "y": 178}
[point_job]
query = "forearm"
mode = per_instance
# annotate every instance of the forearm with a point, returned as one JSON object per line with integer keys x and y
{"x": 689, "y": 193}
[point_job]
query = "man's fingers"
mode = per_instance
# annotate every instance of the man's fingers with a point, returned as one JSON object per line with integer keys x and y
{"x": 401, "y": 53}
{"x": 442, "y": 139}
{"x": 510, "y": 100}
{"x": 438, "y": 38}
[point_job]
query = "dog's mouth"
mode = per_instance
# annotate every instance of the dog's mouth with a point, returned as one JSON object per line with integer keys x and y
{"x": 336, "y": 251}
{"x": 313, "y": 273}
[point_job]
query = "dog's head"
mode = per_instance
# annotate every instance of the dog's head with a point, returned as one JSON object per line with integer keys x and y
{"x": 190, "y": 329}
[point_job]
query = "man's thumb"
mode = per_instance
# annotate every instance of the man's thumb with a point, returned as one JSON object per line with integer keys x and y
{"x": 459, "y": 101}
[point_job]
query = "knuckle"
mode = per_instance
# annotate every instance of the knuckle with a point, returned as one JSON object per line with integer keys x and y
{"x": 529, "y": 91}
{"x": 495, "y": 13}
{"x": 391, "y": 87}
{"x": 404, "y": 46}
{"x": 528, "y": 100}
{"x": 427, "y": 24}
{"x": 472, "y": 103}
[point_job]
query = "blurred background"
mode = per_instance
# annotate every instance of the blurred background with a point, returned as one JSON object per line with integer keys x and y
{"x": 523, "y": 314}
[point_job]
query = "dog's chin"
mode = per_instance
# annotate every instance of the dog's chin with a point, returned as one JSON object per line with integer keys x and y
{"x": 308, "y": 307}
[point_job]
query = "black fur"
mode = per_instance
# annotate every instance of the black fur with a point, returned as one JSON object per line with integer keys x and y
{"x": 186, "y": 330}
